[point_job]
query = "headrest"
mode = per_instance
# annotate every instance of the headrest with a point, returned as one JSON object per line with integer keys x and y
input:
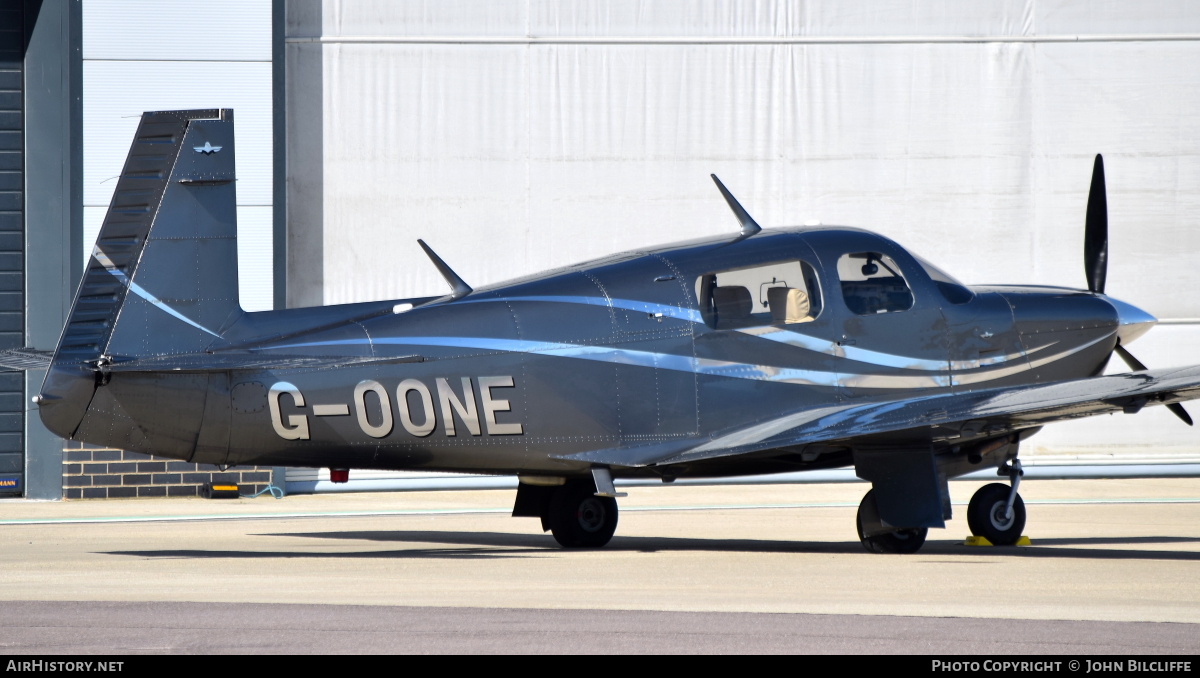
{"x": 788, "y": 305}
{"x": 733, "y": 302}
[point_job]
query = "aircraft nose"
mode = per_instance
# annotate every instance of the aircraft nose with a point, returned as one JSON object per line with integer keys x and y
{"x": 1133, "y": 322}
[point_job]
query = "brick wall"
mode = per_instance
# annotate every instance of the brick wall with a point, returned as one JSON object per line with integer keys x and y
{"x": 102, "y": 473}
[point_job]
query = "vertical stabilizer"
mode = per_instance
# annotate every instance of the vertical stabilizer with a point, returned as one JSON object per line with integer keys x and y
{"x": 163, "y": 276}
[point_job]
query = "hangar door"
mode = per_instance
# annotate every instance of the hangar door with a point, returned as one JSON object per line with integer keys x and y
{"x": 12, "y": 242}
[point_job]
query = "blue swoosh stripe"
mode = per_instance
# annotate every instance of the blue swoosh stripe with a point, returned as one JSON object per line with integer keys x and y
{"x": 104, "y": 260}
{"x": 622, "y": 356}
{"x": 648, "y": 307}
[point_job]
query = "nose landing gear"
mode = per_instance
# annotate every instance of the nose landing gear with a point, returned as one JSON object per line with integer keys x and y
{"x": 997, "y": 512}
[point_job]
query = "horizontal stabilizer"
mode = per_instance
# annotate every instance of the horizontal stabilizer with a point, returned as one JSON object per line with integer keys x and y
{"x": 224, "y": 362}
{"x": 25, "y": 359}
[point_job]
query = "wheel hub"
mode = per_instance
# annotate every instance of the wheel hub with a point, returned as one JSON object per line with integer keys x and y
{"x": 1002, "y": 519}
{"x": 591, "y": 515}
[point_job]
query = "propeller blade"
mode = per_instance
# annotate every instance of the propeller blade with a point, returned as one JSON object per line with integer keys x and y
{"x": 1137, "y": 366}
{"x": 1178, "y": 410}
{"x": 1095, "y": 239}
{"x": 1133, "y": 363}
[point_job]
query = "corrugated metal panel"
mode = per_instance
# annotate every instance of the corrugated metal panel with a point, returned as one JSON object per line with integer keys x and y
{"x": 214, "y": 30}
{"x": 255, "y": 264}
{"x": 422, "y": 17}
{"x": 11, "y": 28}
{"x": 748, "y": 18}
{"x": 141, "y": 55}
{"x": 12, "y": 386}
{"x": 116, "y": 93}
{"x": 12, "y": 241}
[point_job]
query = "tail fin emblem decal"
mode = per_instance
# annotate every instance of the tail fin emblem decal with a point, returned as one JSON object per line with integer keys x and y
{"x": 207, "y": 148}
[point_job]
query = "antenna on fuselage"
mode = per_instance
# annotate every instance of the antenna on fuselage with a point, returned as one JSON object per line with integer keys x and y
{"x": 749, "y": 225}
{"x": 458, "y": 288}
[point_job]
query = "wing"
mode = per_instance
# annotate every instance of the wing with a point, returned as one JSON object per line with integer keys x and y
{"x": 944, "y": 416}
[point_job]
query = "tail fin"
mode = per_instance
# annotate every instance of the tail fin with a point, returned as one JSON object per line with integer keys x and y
{"x": 163, "y": 276}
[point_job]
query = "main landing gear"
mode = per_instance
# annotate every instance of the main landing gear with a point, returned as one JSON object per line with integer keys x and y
{"x": 579, "y": 512}
{"x": 579, "y": 519}
{"x": 876, "y": 541}
{"x": 996, "y": 512}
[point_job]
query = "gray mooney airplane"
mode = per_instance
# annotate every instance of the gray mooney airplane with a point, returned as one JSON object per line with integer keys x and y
{"x": 766, "y": 351}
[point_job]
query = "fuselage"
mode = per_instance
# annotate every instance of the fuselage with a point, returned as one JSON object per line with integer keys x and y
{"x": 678, "y": 344}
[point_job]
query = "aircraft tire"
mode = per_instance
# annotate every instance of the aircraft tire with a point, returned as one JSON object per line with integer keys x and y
{"x": 580, "y": 519}
{"x": 900, "y": 541}
{"x": 986, "y": 515}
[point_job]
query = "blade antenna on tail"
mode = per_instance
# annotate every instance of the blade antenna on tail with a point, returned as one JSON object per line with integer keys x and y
{"x": 749, "y": 226}
{"x": 1095, "y": 239}
{"x": 458, "y": 288}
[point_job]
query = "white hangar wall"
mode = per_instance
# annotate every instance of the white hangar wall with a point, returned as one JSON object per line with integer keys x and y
{"x": 143, "y": 55}
{"x": 519, "y": 135}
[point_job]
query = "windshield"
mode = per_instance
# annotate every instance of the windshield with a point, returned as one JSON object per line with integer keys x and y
{"x": 954, "y": 291}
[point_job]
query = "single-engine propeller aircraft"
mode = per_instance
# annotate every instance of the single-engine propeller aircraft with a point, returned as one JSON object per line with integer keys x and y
{"x": 766, "y": 351}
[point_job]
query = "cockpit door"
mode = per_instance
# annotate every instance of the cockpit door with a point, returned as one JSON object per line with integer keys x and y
{"x": 763, "y": 346}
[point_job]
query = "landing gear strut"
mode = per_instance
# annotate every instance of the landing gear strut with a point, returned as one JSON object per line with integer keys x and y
{"x": 997, "y": 512}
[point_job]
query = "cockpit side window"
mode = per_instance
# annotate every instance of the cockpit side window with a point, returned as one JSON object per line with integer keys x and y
{"x": 872, "y": 283}
{"x": 780, "y": 293}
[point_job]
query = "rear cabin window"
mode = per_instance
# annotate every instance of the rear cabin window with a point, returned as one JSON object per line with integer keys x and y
{"x": 780, "y": 293}
{"x": 872, "y": 283}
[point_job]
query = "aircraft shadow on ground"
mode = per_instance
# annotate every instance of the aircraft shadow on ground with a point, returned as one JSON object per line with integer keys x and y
{"x": 482, "y": 545}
